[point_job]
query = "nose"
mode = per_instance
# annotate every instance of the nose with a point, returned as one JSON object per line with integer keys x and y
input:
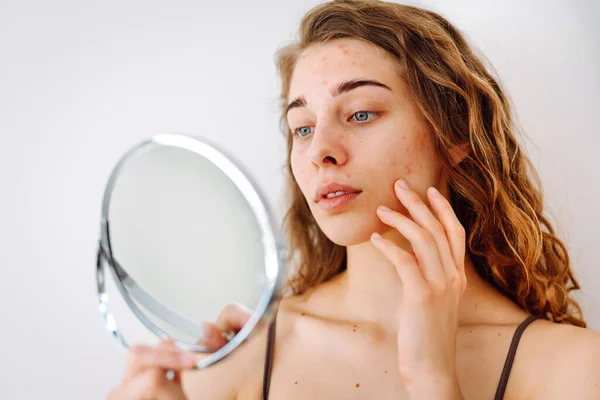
{"x": 327, "y": 147}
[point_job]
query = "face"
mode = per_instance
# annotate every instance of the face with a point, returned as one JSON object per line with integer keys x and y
{"x": 355, "y": 131}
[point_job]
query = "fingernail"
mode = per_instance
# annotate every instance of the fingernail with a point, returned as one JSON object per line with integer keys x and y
{"x": 434, "y": 191}
{"x": 402, "y": 184}
{"x": 207, "y": 331}
{"x": 376, "y": 236}
{"x": 188, "y": 359}
{"x": 384, "y": 208}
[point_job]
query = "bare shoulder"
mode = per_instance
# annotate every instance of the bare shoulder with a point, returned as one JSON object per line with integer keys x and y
{"x": 237, "y": 376}
{"x": 562, "y": 361}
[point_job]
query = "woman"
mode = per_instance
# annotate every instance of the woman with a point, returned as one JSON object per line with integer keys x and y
{"x": 423, "y": 256}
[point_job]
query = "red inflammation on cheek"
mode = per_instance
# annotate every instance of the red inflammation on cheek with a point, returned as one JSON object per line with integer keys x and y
{"x": 408, "y": 168}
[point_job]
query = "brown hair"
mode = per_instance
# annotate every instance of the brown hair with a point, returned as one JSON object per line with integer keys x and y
{"x": 495, "y": 191}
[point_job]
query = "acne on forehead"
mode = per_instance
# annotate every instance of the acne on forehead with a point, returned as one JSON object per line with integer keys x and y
{"x": 344, "y": 58}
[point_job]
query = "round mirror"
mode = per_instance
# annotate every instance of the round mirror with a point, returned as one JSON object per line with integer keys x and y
{"x": 185, "y": 234}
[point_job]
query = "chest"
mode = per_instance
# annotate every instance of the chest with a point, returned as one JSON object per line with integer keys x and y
{"x": 355, "y": 367}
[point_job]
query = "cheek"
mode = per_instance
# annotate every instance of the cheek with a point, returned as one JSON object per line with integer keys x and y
{"x": 298, "y": 169}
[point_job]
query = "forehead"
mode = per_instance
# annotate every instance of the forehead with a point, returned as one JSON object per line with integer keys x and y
{"x": 323, "y": 65}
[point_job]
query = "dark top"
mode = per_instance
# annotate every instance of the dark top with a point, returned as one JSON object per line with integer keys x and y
{"x": 499, "y": 391}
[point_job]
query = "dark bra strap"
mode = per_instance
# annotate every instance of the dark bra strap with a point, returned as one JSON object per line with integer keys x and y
{"x": 511, "y": 356}
{"x": 269, "y": 357}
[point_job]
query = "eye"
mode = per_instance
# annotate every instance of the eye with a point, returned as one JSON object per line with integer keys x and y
{"x": 304, "y": 131}
{"x": 362, "y": 116}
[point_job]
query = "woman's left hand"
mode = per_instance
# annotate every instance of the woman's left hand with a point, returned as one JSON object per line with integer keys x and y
{"x": 433, "y": 283}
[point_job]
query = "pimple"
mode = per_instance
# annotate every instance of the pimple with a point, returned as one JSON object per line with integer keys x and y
{"x": 343, "y": 49}
{"x": 408, "y": 168}
{"x": 325, "y": 82}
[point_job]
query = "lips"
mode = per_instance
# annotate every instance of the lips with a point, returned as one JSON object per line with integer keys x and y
{"x": 334, "y": 187}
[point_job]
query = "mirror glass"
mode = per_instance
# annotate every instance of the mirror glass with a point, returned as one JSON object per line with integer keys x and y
{"x": 187, "y": 237}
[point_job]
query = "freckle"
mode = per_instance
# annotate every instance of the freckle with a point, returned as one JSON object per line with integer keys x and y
{"x": 470, "y": 331}
{"x": 358, "y": 385}
{"x": 498, "y": 334}
{"x": 475, "y": 305}
{"x": 385, "y": 372}
{"x": 303, "y": 314}
{"x": 295, "y": 383}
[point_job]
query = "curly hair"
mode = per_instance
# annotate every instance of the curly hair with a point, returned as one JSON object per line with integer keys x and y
{"x": 495, "y": 190}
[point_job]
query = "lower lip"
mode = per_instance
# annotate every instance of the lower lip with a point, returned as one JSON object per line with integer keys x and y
{"x": 338, "y": 202}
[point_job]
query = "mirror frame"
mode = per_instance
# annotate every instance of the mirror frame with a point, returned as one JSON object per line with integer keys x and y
{"x": 275, "y": 252}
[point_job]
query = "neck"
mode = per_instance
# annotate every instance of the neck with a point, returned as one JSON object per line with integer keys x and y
{"x": 371, "y": 289}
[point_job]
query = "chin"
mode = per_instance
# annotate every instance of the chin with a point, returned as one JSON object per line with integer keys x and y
{"x": 347, "y": 230}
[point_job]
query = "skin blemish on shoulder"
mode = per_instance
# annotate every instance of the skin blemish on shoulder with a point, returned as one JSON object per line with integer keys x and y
{"x": 358, "y": 385}
{"x": 295, "y": 383}
{"x": 385, "y": 372}
{"x": 325, "y": 82}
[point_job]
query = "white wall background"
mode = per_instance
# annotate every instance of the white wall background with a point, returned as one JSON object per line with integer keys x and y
{"x": 80, "y": 82}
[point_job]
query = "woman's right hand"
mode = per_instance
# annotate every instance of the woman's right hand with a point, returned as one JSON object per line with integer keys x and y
{"x": 145, "y": 375}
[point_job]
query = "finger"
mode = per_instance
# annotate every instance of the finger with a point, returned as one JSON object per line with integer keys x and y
{"x": 455, "y": 231}
{"x": 423, "y": 216}
{"x": 213, "y": 337}
{"x": 422, "y": 243}
{"x": 149, "y": 384}
{"x": 169, "y": 344}
{"x": 140, "y": 358}
{"x": 233, "y": 317}
{"x": 407, "y": 268}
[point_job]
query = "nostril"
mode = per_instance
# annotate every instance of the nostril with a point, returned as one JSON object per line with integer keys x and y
{"x": 331, "y": 159}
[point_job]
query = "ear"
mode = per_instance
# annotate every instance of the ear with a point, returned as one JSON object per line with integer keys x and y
{"x": 459, "y": 152}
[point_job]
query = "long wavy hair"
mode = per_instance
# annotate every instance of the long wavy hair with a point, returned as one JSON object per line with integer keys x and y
{"x": 495, "y": 190}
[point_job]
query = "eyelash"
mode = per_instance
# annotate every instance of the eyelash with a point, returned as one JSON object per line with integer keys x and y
{"x": 374, "y": 113}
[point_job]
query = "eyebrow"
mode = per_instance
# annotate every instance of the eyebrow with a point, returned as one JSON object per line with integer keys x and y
{"x": 342, "y": 87}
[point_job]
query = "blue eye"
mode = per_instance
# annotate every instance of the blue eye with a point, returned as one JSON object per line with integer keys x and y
{"x": 304, "y": 131}
{"x": 362, "y": 116}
